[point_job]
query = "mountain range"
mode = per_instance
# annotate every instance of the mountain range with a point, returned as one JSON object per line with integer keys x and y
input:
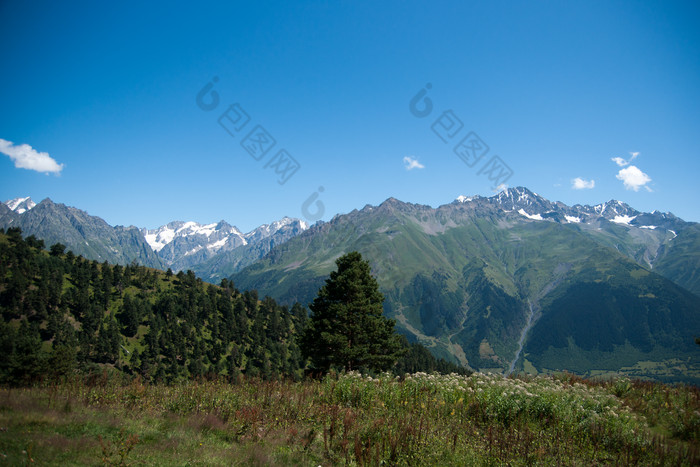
{"x": 511, "y": 282}
{"x": 515, "y": 282}
{"x": 82, "y": 233}
{"x": 213, "y": 251}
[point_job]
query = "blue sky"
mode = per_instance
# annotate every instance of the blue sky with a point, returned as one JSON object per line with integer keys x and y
{"x": 556, "y": 90}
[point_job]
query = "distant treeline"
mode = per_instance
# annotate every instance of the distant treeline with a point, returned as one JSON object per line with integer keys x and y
{"x": 63, "y": 314}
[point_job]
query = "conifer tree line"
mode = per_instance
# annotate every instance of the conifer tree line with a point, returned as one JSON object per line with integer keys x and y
{"x": 63, "y": 314}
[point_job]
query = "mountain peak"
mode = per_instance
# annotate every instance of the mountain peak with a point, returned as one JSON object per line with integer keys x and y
{"x": 614, "y": 210}
{"x": 267, "y": 230}
{"x": 521, "y": 198}
{"x": 402, "y": 205}
{"x": 222, "y": 224}
{"x": 391, "y": 201}
{"x": 519, "y": 193}
{"x": 20, "y": 205}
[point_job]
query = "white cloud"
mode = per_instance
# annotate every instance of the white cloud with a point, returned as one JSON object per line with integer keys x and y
{"x": 25, "y": 157}
{"x": 412, "y": 163}
{"x": 633, "y": 178}
{"x": 580, "y": 184}
{"x": 622, "y": 162}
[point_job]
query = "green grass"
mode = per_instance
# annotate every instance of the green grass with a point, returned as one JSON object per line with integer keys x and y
{"x": 353, "y": 419}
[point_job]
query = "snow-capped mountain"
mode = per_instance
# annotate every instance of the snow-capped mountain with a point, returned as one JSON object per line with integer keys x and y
{"x": 178, "y": 237}
{"x": 530, "y": 205}
{"x": 267, "y": 230}
{"x": 205, "y": 248}
{"x": 645, "y": 236}
{"x": 259, "y": 242}
{"x": 184, "y": 245}
{"x": 20, "y": 205}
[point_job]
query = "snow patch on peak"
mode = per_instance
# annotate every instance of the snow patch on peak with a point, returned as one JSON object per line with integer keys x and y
{"x": 536, "y": 217}
{"x": 206, "y": 230}
{"x": 157, "y": 239}
{"x": 218, "y": 244}
{"x": 463, "y": 199}
{"x": 195, "y": 228}
{"x": 266, "y": 230}
{"x": 194, "y": 250}
{"x": 572, "y": 219}
{"x": 275, "y": 226}
{"x": 623, "y": 219}
{"x": 650, "y": 227}
{"x": 186, "y": 226}
{"x": 20, "y": 205}
{"x": 13, "y": 203}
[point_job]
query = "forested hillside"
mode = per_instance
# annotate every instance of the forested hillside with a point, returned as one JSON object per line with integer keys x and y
{"x": 62, "y": 313}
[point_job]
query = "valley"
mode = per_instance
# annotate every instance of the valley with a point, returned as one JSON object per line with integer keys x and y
{"x": 521, "y": 339}
{"x": 484, "y": 282}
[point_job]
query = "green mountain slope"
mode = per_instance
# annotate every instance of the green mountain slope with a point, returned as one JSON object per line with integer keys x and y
{"x": 465, "y": 279}
{"x": 674, "y": 254}
{"x": 681, "y": 261}
{"x": 645, "y": 326}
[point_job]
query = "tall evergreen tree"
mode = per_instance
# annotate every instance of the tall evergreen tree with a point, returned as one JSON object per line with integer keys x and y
{"x": 347, "y": 329}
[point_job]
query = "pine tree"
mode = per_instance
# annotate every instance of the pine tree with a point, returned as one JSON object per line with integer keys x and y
{"x": 346, "y": 329}
{"x": 57, "y": 249}
{"x": 129, "y": 316}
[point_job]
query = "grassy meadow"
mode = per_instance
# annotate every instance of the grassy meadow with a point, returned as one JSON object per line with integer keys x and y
{"x": 351, "y": 419}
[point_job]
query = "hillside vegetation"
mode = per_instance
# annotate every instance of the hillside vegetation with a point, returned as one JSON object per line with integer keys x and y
{"x": 63, "y": 314}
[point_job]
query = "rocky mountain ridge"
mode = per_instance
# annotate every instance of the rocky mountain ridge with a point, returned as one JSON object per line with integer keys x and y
{"x": 178, "y": 245}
